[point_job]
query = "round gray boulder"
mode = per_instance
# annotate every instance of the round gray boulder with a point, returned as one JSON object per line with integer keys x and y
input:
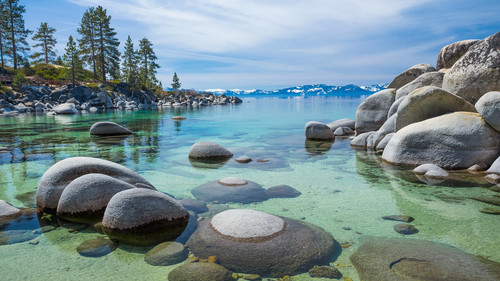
{"x": 209, "y": 150}
{"x": 449, "y": 54}
{"x": 282, "y": 191}
{"x": 477, "y": 72}
{"x": 342, "y": 123}
{"x": 488, "y": 106}
{"x": 428, "y": 102}
{"x": 200, "y": 271}
{"x": 144, "y": 217}
{"x": 250, "y": 241}
{"x": 456, "y": 140}
{"x": 66, "y": 108}
{"x": 85, "y": 198}
{"x": 230, "y": 189}
{"x": 166, "y": 253}
{"x": 343, "y": 131}
{"x": 407, "y": 259}
{"x": 106, "y": 128}
{"x": 431, "y": 171}
{"x": 7, "y": 210}
{"x": 433, "y": 78}
{"x": 318, "y": 131}
{"x": 409, "y": 75}
{"x": 372, "y": 112}
{"x": 57, "y": 177}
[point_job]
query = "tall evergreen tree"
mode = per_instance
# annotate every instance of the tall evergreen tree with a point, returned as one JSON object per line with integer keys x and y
{"x": 109, "y": 56}
{"x": 3, "y": 34}
{"x": 147, "y": 60}
{"x": 129, "y": 72}
{"x": 45, "y": 36}
{"x": 176, "y": 84}
{"x": 72, "y": 60}
{"x": 88, "y": 41}
{"x": 16, "y": 32}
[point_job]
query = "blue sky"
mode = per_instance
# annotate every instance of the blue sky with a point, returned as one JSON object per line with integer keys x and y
{"x": 270, "y": 44}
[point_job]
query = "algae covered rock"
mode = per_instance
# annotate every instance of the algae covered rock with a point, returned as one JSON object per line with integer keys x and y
{"x": 260, "y": 243}
{"x": 166, "y": 253}
{"x": 144, "y": 217}
{"x": 200, "y": 271}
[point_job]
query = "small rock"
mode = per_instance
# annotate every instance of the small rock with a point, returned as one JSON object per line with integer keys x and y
{"x": 107, "y": 128}
{"x": 402, "y": 218}
{"x": 262, "y": 160}
{"x": 95, "y": 248}
{"x": 477, "y": 167}
{"x": 493, "y": 178}
{"x": 405, "y": 229}
{"x": 282, "y": 191}
{"x": 431, "y": 171}
{"x": 252, "y": 277}
{"x": 325, "y": 272}
{"x": 178, "y": 118}
{"x": 200, "y": 272}
{"x": 342, "y": 131}
{"x": 48, "y": 228}
{"x": 243, "y": 159}
{"x": 166, "y": 253}
{"x": 213, "y": 259}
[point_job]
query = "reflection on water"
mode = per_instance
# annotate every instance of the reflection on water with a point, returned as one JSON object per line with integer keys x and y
{"x": 346, "y": 192}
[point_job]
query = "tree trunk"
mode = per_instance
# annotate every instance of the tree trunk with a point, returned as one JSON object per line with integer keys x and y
{"x": 46, "y": 49}
{"x": 103, "y": 65}
{"x": 14, "y": 53}
{"x": 2, "y": 69}
{"x": 73, "y": 68}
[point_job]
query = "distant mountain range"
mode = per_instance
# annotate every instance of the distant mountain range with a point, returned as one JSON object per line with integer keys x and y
{"x": 306, "y": 90}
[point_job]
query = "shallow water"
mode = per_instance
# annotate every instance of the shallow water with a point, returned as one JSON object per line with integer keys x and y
{"x": 346, "y": 192}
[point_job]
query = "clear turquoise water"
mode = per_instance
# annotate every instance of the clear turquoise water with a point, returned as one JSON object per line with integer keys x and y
{"x": 346, "y": 192}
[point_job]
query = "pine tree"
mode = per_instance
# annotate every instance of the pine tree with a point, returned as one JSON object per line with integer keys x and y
{"x": 129, "y": 64}
{"x": 16, "y": 32}
{"x": 109, "y": 56}
{"x": 147, "y": 60}
{"x": 72, "y": 60}
{"x": 88, "y": 40}
{"x": 47, "y": 41}
{"x": 59, "y": 61}
{"x": 176, "y": 85}
{"x": 3, "y": 34}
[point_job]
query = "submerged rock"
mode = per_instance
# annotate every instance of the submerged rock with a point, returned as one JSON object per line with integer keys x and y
{"x": 282, "y": 191}
{"x": 243, "y": 159}
{"x": 260, "y": 243}
{"x": 230, "y": 189}
{"x": 57, "y": 177}
{"x": 166, "y": 253}
{"x": 402, "y": 218}
{"x": 144, "y": 217}
{"x": 405, "y": 229}
{"x": 431, "y": 171}
{"x": 325, "y": 271}
{"x": 107, "y": 128}
{"x": 455, "y": 140}
{"x": 407, "y": 259}
{"x": 194, "y": 205}
{"x": 95, "y": 248}
{"x": 209, "y": 150}
{"x": 7, "y": 210}
{"x": 200, "y": 271}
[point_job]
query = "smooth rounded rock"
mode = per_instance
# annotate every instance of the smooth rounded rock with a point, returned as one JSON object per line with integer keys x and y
{"x": 243, "y": 159}
{"x": 408, "y": 259}
{"x": 206, "y": 149}
{"x": 96, "y": 247}
{"x": 406, "y": 229}
{"x": 488, "y": 106}
{"x": 427, "y": 79}
{"x": 452, "y": 141}
{"x": 273, "y": 251}
{"x": 66, "y": 108}
{"x": 230, "y": 181}
{"x": 373, "y": 111}
{"x": 409, "y": 75}
{"x": 346, "y": 122}
{"x": 7, "y": 210}
{"x": 282, "y": 191}
{"x": 431, "y": 171}
{"x": 59, "y": 175}
{"x": 200, "y": 271}
{"x": 236, "y": 193}
{"x": 166, "y": 253}
{"x": 247, "y": 225}
{"x": 477, "y": 71}
{"x": 383, "y": 143}
{"x": 427, "y": 102}
{"x": 107, "y": 128}
{"x": 318, "y": 131}
{"x": 178, "y": 118}
{"x": 343, "y": 131}
{"x": 144, "y": 217}
{"x": 194, "y": 205}
{"x": 85, "y": 198}
{"x": 449, "y": 54}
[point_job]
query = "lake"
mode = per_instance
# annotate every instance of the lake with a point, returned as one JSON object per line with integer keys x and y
{"x": 345, "y": 192}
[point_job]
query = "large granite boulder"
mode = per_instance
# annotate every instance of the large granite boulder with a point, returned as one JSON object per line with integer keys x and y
{"x": 209, "y": 150}
{"x": 107, "y": 128}
{"x": 410, "y": 74}
{"x": 144, "y": 217}
{"x": 346, "y": 122}
{"x": 81, "y": 93}
{"x": 477, "y": 72}
{"x": 433, "y": 78}
{"x": 488, "y": 106}
{"x": 318, "y": 131}
{"x": 428, "y": 102}
{"x": 451, "y": 53}
{"x": 66, "y": 108}
{"x": 57, "y": 177}
{"x": 85, "y": 198}
{"x": 372, "y": 112}
{"x": 392, "y": 259}
{"x": 394, "y": 107}
{"x": 456, "y": 140}
{"x": 200, "y": 271}
{"x": 254, "y": 242}
{"x": 230, "y": 189}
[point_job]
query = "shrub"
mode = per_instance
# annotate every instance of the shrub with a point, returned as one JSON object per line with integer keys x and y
{"x": 19, "y": 81}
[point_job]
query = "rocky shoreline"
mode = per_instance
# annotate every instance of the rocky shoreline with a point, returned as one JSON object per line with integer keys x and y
{"x": 71, "y": 100}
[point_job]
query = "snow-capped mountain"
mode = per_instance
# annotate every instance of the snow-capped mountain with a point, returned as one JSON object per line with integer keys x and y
{"x": 310, "y": 90}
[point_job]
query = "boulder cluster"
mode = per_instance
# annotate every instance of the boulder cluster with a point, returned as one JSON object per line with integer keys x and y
{"x": 71, "y": 99}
